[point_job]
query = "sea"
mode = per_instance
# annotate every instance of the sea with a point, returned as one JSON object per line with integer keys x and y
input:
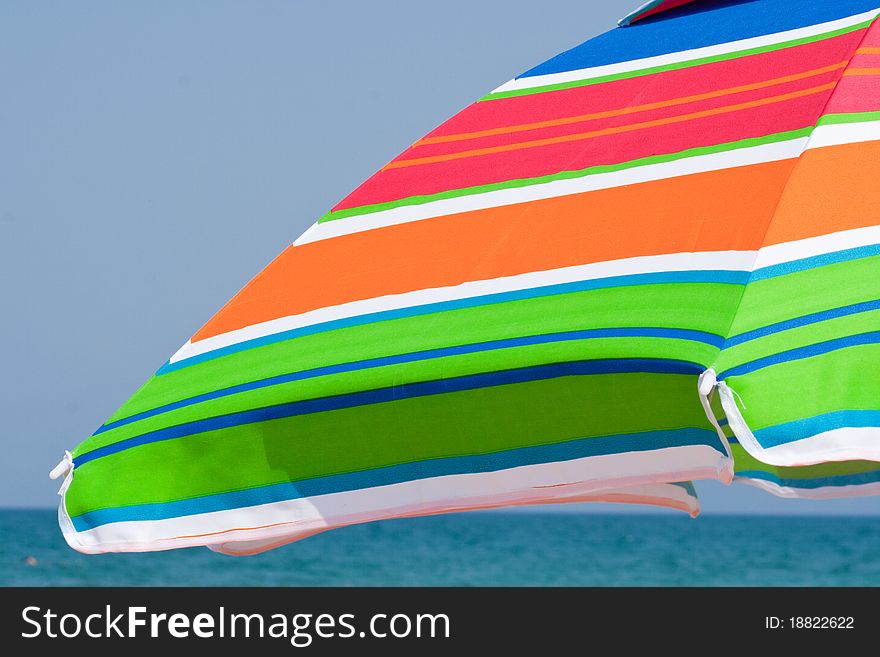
{"x": 483, "y": 549}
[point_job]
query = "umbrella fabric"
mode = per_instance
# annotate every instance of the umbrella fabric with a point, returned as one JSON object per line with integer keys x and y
{"x": 803, "y": 347}
{"x": 679, "y": 496}
{"x": 827, "y": 480}
{"x": 525, "y": 298}
{"x": 836, "y": 479}
{"x": 649, "y": 9}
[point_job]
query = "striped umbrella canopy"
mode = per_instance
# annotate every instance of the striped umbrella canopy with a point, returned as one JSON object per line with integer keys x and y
{"x": 651, "y": 259}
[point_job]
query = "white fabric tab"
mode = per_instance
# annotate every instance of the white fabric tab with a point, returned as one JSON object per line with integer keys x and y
{"x": 737, "y": 423}
{"x": 705, "y": 385}
{"x": 63, "y": 469}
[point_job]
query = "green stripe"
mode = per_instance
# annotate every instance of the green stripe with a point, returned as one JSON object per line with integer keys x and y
{"x": 429, "y": 370}
{"x": 677, "y": 65}
{"x": 801, "y": 336}
{"x": 469, "y": 422}
{"x": 697, "y": 306}
{"x": 745, "y": 462}
{"x": 848, "y": 117}
{"x": 567, "y": 175}
{"x": 845, "y": 379}
{"x": 781, "y": 298}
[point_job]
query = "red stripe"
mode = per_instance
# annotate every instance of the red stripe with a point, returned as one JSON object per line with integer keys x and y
{"x": 393, "y": 184}
{"x": 872, "y": 38}
{"x": 856, "y": 94}
{"x": 649, "y": 88}
{"x": 396, "y": 184}
{"x": 427, "y": 150}
{"x": 860, "y": 93}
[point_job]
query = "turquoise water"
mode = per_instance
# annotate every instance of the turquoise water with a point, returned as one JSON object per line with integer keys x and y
{"x": 484, "y": 549}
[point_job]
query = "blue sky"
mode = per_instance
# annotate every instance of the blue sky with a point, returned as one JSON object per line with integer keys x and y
{"x": 155, "y": 156}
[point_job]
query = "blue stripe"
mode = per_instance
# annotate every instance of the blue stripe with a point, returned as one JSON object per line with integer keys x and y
{"x": 871, "y": 337}
{"x": 698, "y": 25}
{"x": 804, "y": 320}
{"x": 397, "y": 393}
{"x": 788, "y": 432}
{"x": 566, "y": 451}
{"x": 815, "y": 261}
{"x": 858, "y": 479}
{"x": 427, "y": 354}
{"x": 707, "y": 276}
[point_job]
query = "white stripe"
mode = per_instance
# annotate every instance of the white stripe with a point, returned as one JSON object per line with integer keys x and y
{"x": 434, "y": 495}
{"x": 684, "y": 55}
{"x": 844, "y": 444}
{"x": 822, "y": 493}
{"x": 777, "y": 254}
{"x": 637, "y": 174}
{"x": 675, "y": 262}
{"x": 834, "y": 134}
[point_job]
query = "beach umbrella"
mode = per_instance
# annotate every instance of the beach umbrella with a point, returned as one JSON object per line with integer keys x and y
{"x": 584, "y": 282}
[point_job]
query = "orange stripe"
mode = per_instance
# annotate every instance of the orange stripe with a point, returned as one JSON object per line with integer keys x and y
{"x": 868, "y": 51}
{"x": 862, "y": 71}
{"x": 633, "y": 109}
{"x": 397, "y": 164}
{"x": 710, "y": 211}
{"x": 832, "y": 189}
